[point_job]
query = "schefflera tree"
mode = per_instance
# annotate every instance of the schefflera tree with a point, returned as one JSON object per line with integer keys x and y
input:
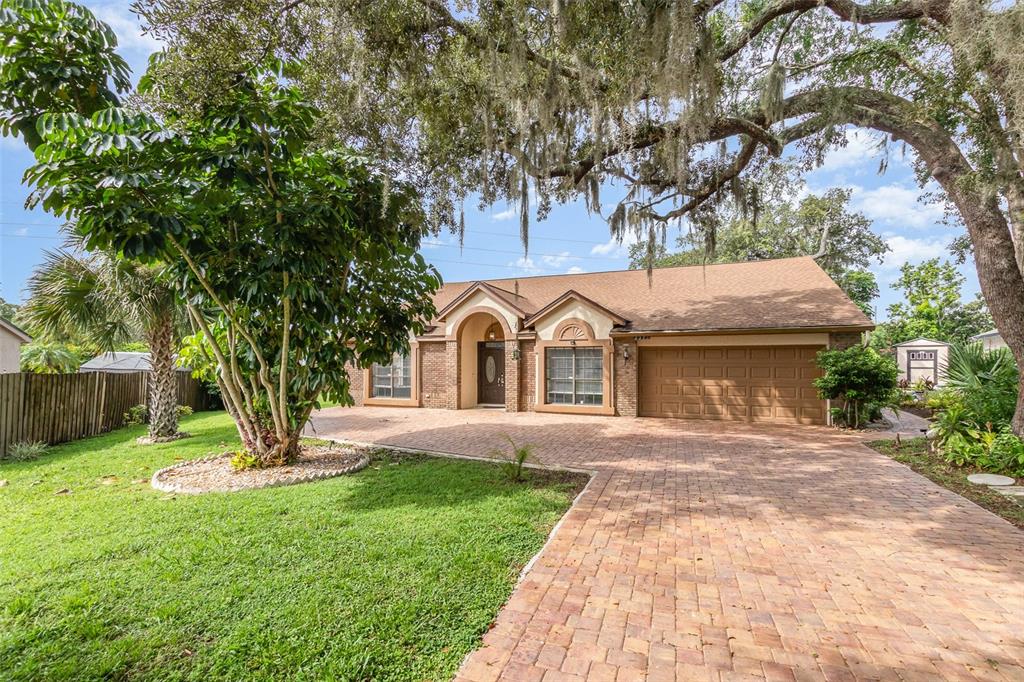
{"x": 293, "y": 260}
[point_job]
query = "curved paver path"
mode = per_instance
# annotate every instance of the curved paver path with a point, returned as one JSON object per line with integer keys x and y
{"x": 718, "y": 551}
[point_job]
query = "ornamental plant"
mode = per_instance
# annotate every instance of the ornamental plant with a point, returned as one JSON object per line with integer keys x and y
{"x": 293, "y": 260}
{"x": 860, "y": 379}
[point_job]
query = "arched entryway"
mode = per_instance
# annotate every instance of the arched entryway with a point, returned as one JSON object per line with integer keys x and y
{"x": 482, "y": 376}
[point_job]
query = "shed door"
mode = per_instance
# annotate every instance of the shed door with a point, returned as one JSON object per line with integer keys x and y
{"x": 757, "y": 383}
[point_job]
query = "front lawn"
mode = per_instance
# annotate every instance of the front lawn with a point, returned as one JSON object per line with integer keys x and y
{"x": 915, "y": 454}
{"x": 392, "y": 573}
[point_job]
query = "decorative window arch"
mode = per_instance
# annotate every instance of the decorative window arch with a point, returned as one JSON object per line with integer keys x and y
{"x": 573, "y": 330}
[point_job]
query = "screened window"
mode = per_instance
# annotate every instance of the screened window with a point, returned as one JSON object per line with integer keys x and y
{"x": 574, "y": 376}
{"x": 394, "y": 380}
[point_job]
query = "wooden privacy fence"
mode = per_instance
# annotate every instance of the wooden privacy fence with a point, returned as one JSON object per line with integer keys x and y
{"x": 56, "y": 408}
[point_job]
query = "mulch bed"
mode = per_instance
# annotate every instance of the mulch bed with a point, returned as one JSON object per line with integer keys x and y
{"x": 215, "y": 474}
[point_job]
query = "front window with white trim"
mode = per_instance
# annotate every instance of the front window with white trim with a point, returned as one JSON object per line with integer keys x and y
{"x": 574, "y": 376}
{"x": 394, "y": 380}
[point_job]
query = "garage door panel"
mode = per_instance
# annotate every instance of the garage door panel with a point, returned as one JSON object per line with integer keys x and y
{"x": 771, "y": 384}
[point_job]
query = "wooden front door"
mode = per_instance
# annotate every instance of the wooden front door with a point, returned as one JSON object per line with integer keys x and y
{"x": 490, "y": 375}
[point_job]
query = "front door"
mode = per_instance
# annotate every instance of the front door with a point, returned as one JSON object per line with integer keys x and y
{"x": 490, "y": 373}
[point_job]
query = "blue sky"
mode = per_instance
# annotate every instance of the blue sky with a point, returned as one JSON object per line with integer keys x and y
{"x": 568, "y": 240}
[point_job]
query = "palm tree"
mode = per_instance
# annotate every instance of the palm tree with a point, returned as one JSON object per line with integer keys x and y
{"x": 108, "y": 301}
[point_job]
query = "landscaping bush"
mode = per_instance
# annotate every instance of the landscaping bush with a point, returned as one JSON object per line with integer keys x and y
{"x": 972, "y": 422}
{"x": 139, "y": 414}
{"x": 1001, "y": 453}
{"x": 861, "y": 379}
{"x": 986, "y": 382}
{"x": 943, "y": 399}
{"x": 25, "y": 451}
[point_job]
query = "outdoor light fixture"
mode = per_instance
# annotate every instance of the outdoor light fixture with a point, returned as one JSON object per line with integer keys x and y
{"x": 625, "y": 353}
{"x": 515, "y": 353}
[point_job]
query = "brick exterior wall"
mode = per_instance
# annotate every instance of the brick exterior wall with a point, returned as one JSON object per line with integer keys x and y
{"x": 451, "y": 372}
{"x": 527, "y": 376}
{"x": 355, "y": 383}
{"x": 624, "y": 392}
{"x": 433, "y": 375}
{"x": 511, "y": 376}
{"x": 841, "y": 340}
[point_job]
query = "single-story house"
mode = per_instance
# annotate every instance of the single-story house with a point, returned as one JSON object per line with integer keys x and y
{"x": 990, "y": 340}
{"x": 922, "y": 359}
{"x": 732, "y": 341}
{"x": 12, "y": 338}
{"x": 120, "y": 362}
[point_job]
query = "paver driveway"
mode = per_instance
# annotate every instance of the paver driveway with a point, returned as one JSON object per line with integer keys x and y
{"x": 706, "y": 551}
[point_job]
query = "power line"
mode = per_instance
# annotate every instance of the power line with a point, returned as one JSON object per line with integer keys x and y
{"x": 526, "y": 255}
{"x": 31, "y": 236}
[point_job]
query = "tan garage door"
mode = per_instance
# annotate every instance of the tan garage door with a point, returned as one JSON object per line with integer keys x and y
{"x": 762, "y": 383}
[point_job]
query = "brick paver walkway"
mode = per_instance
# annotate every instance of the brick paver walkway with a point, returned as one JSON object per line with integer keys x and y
{"x": 717, "y": 551}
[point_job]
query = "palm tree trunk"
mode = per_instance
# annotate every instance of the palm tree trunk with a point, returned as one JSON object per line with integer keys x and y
{"x": 163, "y": 388}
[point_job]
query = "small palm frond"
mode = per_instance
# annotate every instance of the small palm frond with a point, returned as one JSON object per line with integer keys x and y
{"x": 969, "y": 366}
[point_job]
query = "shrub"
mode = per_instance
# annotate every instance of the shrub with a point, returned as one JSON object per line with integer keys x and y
{"x": 136, "y": 415}
{"x": 985, "y": 380}
{"x": 953, "y": 421}
{"x": 243, "y": 459}
{"x": 943, "y": 399}
{"x": 139, "y": 414}
{"x": 998, "y": 452}
{"x": 25, "y": 451}
{"x": 514, "y": 460}
{"x": 859, "y": 377}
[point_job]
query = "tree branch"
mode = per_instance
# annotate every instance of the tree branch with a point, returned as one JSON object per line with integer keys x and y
{"x": 847, "y": 10}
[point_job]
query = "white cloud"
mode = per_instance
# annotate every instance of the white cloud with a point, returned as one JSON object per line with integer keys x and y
{"x": 896, "y": 206}
{"x": 861, "y": 148}
{"x": 507, "y": 214}
{"x": 613, "y": 247}
{"x": 557, "y": 260}
{"x": 525, "y": 265}
{"x": 575, "y": 270}
{"x": 904, "y": 250}
{"x": 127, "y": 26}
{"x": 21, "y": 231}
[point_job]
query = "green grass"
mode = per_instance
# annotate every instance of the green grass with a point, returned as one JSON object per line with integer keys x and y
{"x": 914, "y": 453}
{"x": 392, "y": 573}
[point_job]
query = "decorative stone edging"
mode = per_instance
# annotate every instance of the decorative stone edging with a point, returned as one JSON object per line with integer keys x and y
{"x": 169, "y": 487}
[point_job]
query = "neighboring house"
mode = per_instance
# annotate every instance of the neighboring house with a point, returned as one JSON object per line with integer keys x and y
{"x": 120, "y": 362}
{"x": 990, "y": 340}
{"x": 731, "y": 341}
{"x": 11, "y": 340}
{"x": 922, "y": 359}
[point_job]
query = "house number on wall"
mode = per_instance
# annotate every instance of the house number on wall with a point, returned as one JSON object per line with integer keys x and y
{"x": 489, "y": 370}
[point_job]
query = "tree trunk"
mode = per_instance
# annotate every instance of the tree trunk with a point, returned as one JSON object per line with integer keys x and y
{"x": 1002, "y": 282}
{"x": 163, "y": 389}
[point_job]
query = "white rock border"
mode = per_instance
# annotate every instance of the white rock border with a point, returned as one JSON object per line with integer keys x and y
{"x": 168, "y": 487}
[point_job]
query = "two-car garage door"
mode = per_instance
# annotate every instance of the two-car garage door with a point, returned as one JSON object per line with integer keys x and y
{"x": 757, "y": 383}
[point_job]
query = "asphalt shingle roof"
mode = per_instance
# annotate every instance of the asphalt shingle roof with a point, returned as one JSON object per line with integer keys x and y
{"x": 788, "y": 293}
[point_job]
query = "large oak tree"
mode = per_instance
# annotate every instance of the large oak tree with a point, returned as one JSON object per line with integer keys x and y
{"x": 675, "y": 99}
